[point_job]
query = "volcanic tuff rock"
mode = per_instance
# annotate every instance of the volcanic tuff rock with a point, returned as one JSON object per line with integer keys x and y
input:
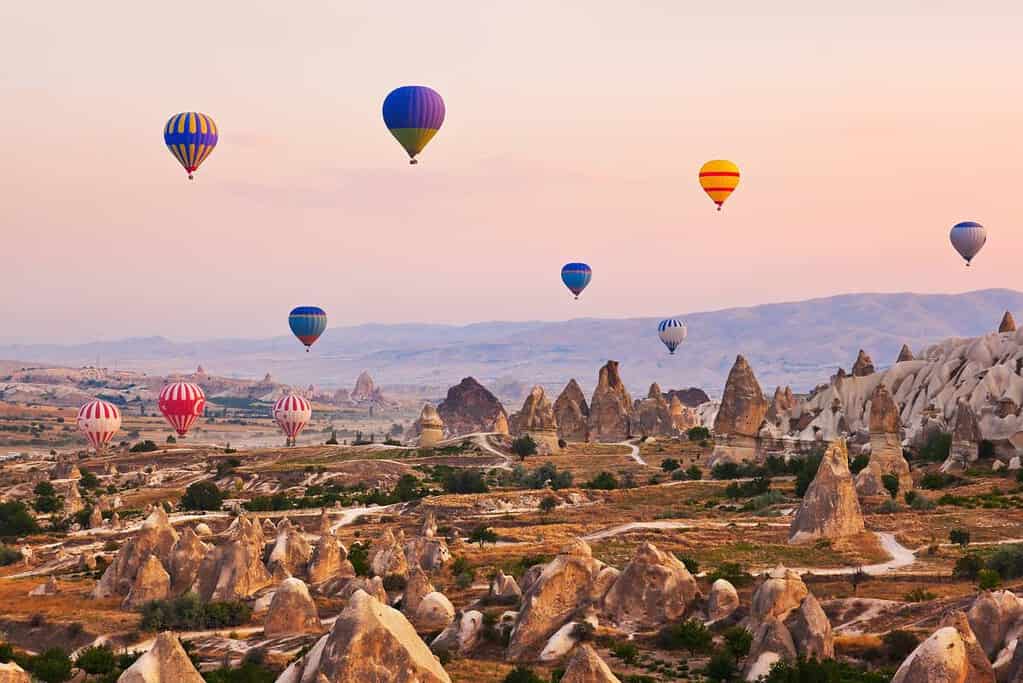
{"x": 165, "y": 661}
{"x": 743, "y": 406}
{"x": 291, "y": 552}
{"x": 905, "y": 354}
{"x": 155, "y": 537}
{"x": 369, "y": 642}
{"x": 73, "y": 502}
{"x": 234, "y": 570}
{"x": 373, "y": 587}
{"x": 965, "y": 438}
{"x": 992, "y": 615}
{"x": 430, "y": 427}
{"x": 330, "y": 559}
{"x": 504, "y": 588}
{"x": 151, "y": 583}
{"x": 885, "y": 447}
{"x": 830, "y": 508}
{"x": 586, "y": 666}
{"x": 434, "y": 613}
{"x": 950, "y": 655}
{"x": 567, "y": 584}
{"x": 782, "y": 592}
{"x": 364, "y": 389}
{"x": 429, "y": 552}
{"x": 611, "y": 407}
{"x": 417, "y": 587}
{"x": 95, "y": 518}
{"x": 1008, "y": 323}
{"x": 388, "y": 556}
{"x": 462, "y": 635}
{"x": 185, "y": 559}
{"x": 653, "y": 414}
{"x": 772, "y": 642}
{"x": 811, "y": 630}
{"x": 782, "y": 404}
{"x": 12, "y": 673}
{"x": 572, "y": 413}
{"x": 536, "y": 419}
{"x": 722, "y": 600}
{"x": 683, "y": 418}
{"x": 292, "y": 610}
{"x": 470, "y": 408}
{"x": 655, "y": 588}
{"x": 863, "y": 366}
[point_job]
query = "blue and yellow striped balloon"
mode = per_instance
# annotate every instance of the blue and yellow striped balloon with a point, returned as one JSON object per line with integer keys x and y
{"x": 413, "y": 114}
{"x": 190, "y": 137}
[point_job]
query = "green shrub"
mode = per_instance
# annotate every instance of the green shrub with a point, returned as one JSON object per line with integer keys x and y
{"x": 670, "y": 464}
{"x": 733, "y": 572}
{"x": 189, "y": 613}
{"x": 967, "y": 567}
{"x": 465, "y": 481}
{"x": 698, "y": 433}
{"x": 1007, "y": 562}
{"x": 689, "y": 635}
{"x": 938, "y": 480}
{"x": 482, "y": 535}
{"x": 891, "y": 484}
{"x": 738, "y": 641}
{"x": 721, "y": 667}
{"x": 826, "y": 671}
{"x": 9, "y": 555}
{"x": 807, "y": 470}
{"x": 146, "y": 446}
{"x": 248, "y": 672}
{"x": 748, "y": 489}
{"x": 89, "y": 480}
{"x": 919, "y": 595}
{"x": 960, "y": 537}
{"x": 898, "y": 644}
{"x": 604, "y": 481}
{"x": 96, "y": 660}
{"x": 521, "y": 674}
{"x": 52, "y": 666}
{"x": 627, "y": 652}
{"x": 937, "y": 447}
{"x": 16, "y": 520}
{"x": 202, "y": 495}
{"x": 523, "y": 446}
{"x": 695, "y": 473}
{"x": 546, "y": 475}
{"x": 690, "y": 562}
{"x": 859, "y": 462}
{"x": 988, "y": 579}
{"x": 358, "y": 555}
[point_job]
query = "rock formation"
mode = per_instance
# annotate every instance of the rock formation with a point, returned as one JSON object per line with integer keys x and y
{"x": 830, "y": 508}
{"x": 569, "y": 582}
{"x": 743, "y": 406}
{"x": 49, "y": 588}
{"x": 371, "y": 586}
{"x": 811, "y": 630}
{"x": 654, "y": 589}
{"x": 572, "y": 413}
{"x": 461, "y": 636}
{"x": 1008, "y": 323}
{"x": 885, "y": 447}
{"x": 950, "y": 655}
{"x": 165, "y": 661}
{"x": 73, "y": 502}
{"x": 992, "y": 616}
{"x": 772, "y": 642}
{"x": 155, "y": 537}
{"x": 10, "y": 672}
{"x": 905, "y": 354}
{"x": 291, "y": 552}
{"x": 434, "y": 613}
{"x": 428, "y": 551}
{"x": 95, "y": 518}
{"x": 329, "y": 559}
{"x": 369, "y": 642}
{"x": 782, "y": 404}
{"x": 234, "y": 570}
{"x": 537, "y": 420}
{"x": 683, "y": 418}
{"x": 586, "y": 666}
{"x": 152, "y": 582}
{"x": 863, "y": 366}
{"x": 185, "y": 558}
{"x": 417, "y": 587}
{"x": 388, "y": 556}
{"x": 722, "y": 600}
{"x": 430, "y": 427}
{"x": 364, "y": 389}
{"x": 292, "y": 610}
{"x": 611, "y": 407}
{"x": 781, "y": 592}
{"x": 504, "y": 589}
{"x": 965, "y": 438}
{"x": 469, "y": 407}
{"x": 653, "y": 414}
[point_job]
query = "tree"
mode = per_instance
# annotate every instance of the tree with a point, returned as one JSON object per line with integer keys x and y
{"x": 670, "y": 464}
{"x": 960, "y": 537}
{"x": 16, "y": 520}
{"x": 96, "y": 660}
{"x": 689, "y": 635}
{"x": 483, "y": 535}
{"x": 171, "y": 439}
{"x": 721, "y": 667}
{"x": 358, "y": 555}
{"x": 694, "y": 473}
{"x": 548, "y": 504}
{"x": 988, "y": 579}
{"x": 44, "y": 488}
{"x": 88, "y": 480}
{"x": 891, "y": 484}
{"x": 523, "y": 446}
{"x": 604, "y": 481}
{"x": 698, "y": 434}
{"x": 52, "y": 666}
{"x": 202, "y": 495}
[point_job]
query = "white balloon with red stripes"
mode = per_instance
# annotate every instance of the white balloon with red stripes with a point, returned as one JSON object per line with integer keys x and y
{"x": 292, "y": 413}
{"x": 99, "y": 421}
{"x": 181, "y": 404}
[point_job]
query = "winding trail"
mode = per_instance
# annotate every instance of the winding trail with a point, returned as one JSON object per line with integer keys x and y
{"x": 633, "y": 452}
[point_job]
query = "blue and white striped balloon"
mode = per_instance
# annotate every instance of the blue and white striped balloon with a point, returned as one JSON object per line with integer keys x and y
{"x": 672, "y": 332}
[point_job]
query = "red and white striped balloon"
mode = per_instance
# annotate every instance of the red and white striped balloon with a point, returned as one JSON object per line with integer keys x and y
{"x": 181, "y": 404}
{"x": 292, "y": 414}
{"x": 99, "y": 421}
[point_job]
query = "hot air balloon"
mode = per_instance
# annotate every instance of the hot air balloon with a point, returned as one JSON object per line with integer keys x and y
{"x": 99, "y": 421}
{"x": 190, "y": 137}
{"x": 672, "y": 333}
{"x": 719, "y": 178}
{"x": 292, "y": 413}
{"x": 307, "y": 323}
{"x": 413, "y": 114}
{"x": 968, "y": 238}
{"x": 181, "y": 404}
{"x": 576, "y": 276}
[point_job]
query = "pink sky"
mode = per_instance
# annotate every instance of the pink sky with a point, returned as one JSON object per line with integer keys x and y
{"x": 574, "y": 132}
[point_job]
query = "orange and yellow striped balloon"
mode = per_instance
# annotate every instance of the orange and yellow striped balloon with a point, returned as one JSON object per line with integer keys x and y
{"x": 719, "y": 178}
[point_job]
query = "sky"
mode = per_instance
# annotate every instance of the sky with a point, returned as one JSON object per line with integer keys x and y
{"x": 574, "y": 132}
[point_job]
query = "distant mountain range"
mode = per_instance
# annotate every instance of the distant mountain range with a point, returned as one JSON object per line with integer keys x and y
{"x": 799, "y": 343}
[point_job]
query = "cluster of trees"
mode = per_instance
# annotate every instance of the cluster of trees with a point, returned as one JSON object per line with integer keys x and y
{"x": 189, "y": 613}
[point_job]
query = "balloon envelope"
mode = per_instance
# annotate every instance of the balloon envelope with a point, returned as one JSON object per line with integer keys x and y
{"x": 672, "y": 333}
{"x": 292, "y": 414}
{"x": 307, "y": 323}
{"x": 99, "y": 421}
{"x": 968, "y": 238}
{"x": 576, "y": 276}
{"x": 719, "y": 178}
{"x": 413, "y": 114}
{"x": 181, "y": 404}
{"x": 190, "y": 137}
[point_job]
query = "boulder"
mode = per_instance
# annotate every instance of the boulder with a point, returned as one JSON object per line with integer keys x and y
{"x": 165, "y": 661}
{"x": 462, "y": 636}
{"x": 572, "y": 413}
{"x": 373, "y": 586}
{"x": 203, "y": 530}
{"x": 655, "y": 588}
{"x": 434, "y": 613}
{"x": 811, "y": 630}
{"x": 611, "y": 412}
{"x": 1008, "y": 323}
{"x": 151, "y": 583}
{"x": 388, "y": 556}
{"x": 369, "y": 642}
{"x": 863, "y": 366}
{"x": 586, "y": 666}
{"x": 469, "y": 407}
{"x": 722, "y": 600}
{"x": 950, "y": 655}
{"x": 234, "y": 570}
{"x": 772, "y": 642}
{"x": 292, "y": 610}
{"x": 155, "y": 537}
{"x": 10, "y": 672}
{"x": 537, "y": 420}
{"x": 51, "y": 587}
{"x": 291, "y": 552}
{"x": 830, "y": 508}
{"x": 653, "y": 414}
{"x": 429, "y": 427}
{"x": 781, "y": 592}
{"x": 567, "y": 585}
{"x": 185, "y": 559}
{"x": 743, "y": 406}
{"x": 991, "y": 616}
{"x": 504, "y": 589}
{"x": 905, "y": 354}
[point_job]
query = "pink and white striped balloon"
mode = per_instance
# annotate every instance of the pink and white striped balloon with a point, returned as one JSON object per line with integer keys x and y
{"x": 181, "y": 404}
{"x": 292, "y": 414}
{"x": 99, "y": 421}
